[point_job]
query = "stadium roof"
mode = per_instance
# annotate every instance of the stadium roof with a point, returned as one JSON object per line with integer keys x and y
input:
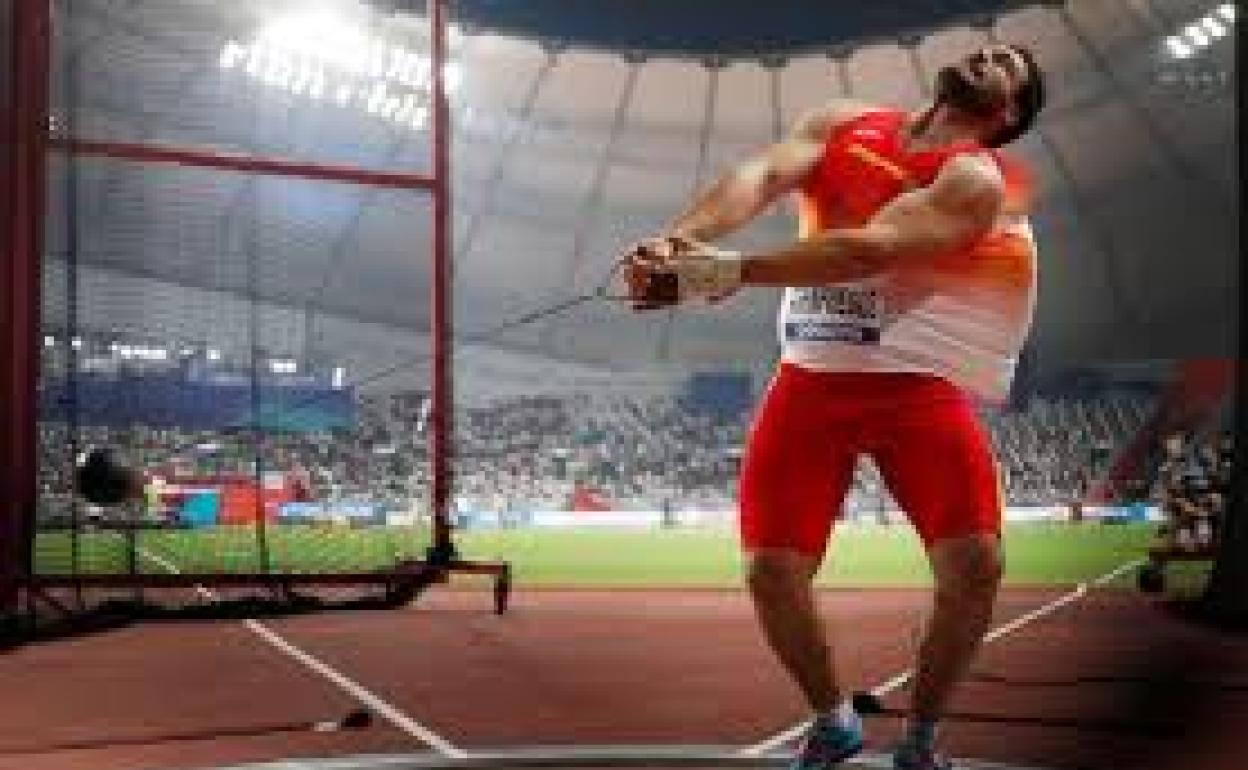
{"x": 565, "y": 153}
{"x": 719, "y": 28}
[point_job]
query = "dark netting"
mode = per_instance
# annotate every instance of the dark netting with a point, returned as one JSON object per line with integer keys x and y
{"x": 219, "y": 330}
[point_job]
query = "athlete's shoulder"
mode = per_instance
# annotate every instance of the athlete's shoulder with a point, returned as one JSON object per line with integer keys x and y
{"x": 973, "y": 170}
{"x": 969, "y": 181}
{"x": 818, "y": 123}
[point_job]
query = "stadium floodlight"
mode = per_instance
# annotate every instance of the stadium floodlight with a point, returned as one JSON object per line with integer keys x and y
{"x": 1178, "y": 48}
{"x": 76, "y": 343}
{"x": 1227, "y": 12}
{"x": 49, "y": 341}
{"x": 1213, "y": 27}
{"x": 453, "y": 76}
{"x": 339, "y": 377}
{"x": 214, "y": 355}
{"x": 1197, "y": 35}
{"x": 325, "y": 54}
{"x": 318, "y": 34}
{"x": 231, "y": 54}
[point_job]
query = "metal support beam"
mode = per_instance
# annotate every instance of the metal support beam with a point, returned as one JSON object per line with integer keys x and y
{"x": 485, "y": 209}
{"x": 24, "y": 92}
{"x": 442, "y": 395}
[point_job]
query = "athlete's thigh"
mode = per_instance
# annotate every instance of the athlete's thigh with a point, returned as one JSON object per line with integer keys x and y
{"x": 797, "y": 467}
{"x": 937, "y": 462}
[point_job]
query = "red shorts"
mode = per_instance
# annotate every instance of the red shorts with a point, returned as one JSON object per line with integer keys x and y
{"x": 920, "y": 430}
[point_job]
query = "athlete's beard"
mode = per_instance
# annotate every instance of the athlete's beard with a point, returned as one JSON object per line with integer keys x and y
{"x": 955, "y": 91}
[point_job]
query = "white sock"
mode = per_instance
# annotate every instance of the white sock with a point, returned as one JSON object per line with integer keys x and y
{"x": 844, "y": 714}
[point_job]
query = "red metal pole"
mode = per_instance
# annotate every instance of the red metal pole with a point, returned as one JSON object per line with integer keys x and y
{"x": 23, "y": 163}
{"x": 441, "y": 387}
{"x": 199, "y": 157}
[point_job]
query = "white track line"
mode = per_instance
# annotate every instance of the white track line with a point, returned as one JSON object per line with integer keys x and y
{"x": 388, "y": 711}
{"x": 882, "y": 689}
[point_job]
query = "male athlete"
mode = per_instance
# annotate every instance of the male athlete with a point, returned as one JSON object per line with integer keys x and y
{"x": 910, "y": 289}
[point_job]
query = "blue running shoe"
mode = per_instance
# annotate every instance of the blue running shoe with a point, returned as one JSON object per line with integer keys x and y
{"x": 909, "y": 757}
{"x": 828, "y": 743}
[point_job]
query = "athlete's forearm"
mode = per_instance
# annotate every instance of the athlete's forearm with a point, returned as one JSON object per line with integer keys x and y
{"x": 724, "y": 207}
{"x": 834, "y": 256}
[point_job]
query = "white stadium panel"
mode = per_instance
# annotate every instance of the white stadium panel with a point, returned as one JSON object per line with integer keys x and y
{"x": 882, "y": 74}
{"x": 584, "y": 89}
{"x": 513, "y": 267}
{"x": 602, "y": 250}
{"x": 607, "y": 334}
{"x": 670, "y": 150}
{"x": 394, "y": 226}
{"x": 545, "y": 185}
{"x": 669, "y": 95}
{"x": 499, "y": 72}
{"x": 637, "y": 187}
{"x": 613, "y": 230}
{"x": 549, "y": 147}
{"x": 703, "y": 338}
{"x": 805, "y": 83}
{"x": 745, "y": 106}
{"x": 1093, "y": 160}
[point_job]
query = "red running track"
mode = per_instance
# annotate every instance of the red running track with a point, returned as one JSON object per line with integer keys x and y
{"x": 1099, "y": 683}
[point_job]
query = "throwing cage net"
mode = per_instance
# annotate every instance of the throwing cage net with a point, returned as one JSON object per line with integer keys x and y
{"x": 237, "y": 229}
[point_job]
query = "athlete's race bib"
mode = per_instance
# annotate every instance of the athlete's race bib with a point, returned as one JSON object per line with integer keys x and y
{"x": 851, "y": 314}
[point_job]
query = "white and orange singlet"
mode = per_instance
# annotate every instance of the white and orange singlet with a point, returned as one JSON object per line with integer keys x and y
{"x": 963, "y": 317}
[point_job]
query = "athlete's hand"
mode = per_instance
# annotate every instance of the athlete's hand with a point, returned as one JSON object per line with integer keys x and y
{"x": 648, "y": 277}
{"x": 661, "y": 272}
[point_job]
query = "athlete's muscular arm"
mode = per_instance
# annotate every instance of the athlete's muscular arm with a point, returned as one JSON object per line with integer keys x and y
{"x": 747, "y": 189}
{"x": 961, "y": 205}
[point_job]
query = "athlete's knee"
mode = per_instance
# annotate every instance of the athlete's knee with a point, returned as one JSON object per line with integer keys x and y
{"x": 778, "y": 572}
{"x": 969, "y": 566}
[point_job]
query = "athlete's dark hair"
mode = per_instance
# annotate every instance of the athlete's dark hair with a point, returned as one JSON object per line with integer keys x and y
{"x": 1029, "y": 101}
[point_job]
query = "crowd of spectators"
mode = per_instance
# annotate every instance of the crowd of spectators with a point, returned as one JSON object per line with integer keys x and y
{"x": 1192, "y": 484}
{"x": 535, "y": 453}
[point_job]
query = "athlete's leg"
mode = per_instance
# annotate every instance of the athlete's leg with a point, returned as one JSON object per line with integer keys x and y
{"x": 967, "y": 571}
{"x": 938, "y": 463}
{"x": 780, "y": 582}
{"x": 794, "y": 475}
